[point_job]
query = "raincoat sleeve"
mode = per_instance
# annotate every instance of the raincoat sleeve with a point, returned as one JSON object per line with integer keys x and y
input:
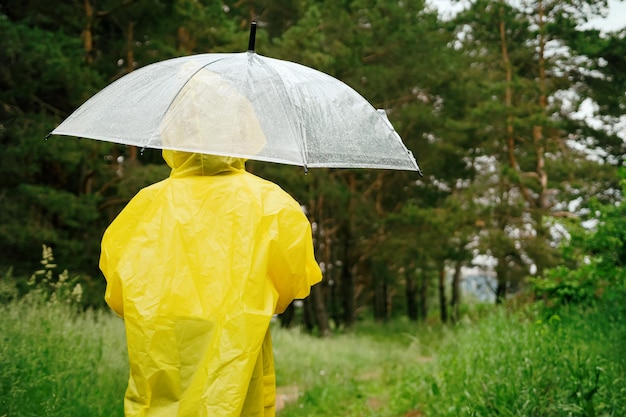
{"x": 293, "y": 268}
{"x": 114, "y": 242}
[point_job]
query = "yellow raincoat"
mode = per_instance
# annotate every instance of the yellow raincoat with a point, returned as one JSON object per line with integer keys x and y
{"x": 197, "y": 265}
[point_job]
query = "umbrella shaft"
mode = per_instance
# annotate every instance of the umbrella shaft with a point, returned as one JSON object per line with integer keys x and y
{"x": 252, "y": 39}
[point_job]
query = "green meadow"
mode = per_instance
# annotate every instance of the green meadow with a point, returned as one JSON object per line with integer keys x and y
{"x": 55, "y": 361}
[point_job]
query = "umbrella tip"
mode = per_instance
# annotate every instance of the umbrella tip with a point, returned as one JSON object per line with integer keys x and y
{"x": 252, "y": 38}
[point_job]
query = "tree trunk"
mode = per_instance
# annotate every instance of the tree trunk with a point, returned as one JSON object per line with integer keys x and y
{"x": 443, "y": 307}
{"x": 508, "y": 94}
{"x": 315, "y": 304}
{"x": 347, "y": 288}
{"x": 380, "y": 300}
{"x": 348, "y": 271}
{"x": 309, "y": 314}
{"x": 286, "y": 318}
{"x": 456, "y": 291}
{"x": 501, "y": 280}
{"x": 87, "y": 33}
{"x": 540, "y": 204}
{"x": 130, "y": 66}
{"x": 379, "y": 279}
{"x": 320, "y": 310}
{"x": 423, "y": 296}
{"x": 500, "y": 292}
{"x": 411, "y": 295}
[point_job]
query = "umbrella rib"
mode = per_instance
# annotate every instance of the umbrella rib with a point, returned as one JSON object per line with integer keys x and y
{"x": 200, "y": 68}
{"x": 302, "y": 145}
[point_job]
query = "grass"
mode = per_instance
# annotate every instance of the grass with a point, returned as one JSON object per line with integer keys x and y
{"x": 54, "y": 362}
{"x": 352, "y": 374}
{"x": 572, "y": 362}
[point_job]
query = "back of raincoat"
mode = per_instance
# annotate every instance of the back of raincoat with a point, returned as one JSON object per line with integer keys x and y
{"x": 197, "y": 265}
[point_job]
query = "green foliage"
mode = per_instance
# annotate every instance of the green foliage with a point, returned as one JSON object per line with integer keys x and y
{"x": 606, "y": 76}
{"x": 595, "y": 259}
{"x": 563, "y": 285}
{"x": 40, "y": 68}
{"x": 516, "y": 119}
{"x": 8, "y": 288}
{"x": 567, "y": 364}
{"x": 506, "y": 365}
{"x": 55, "y": 362}
{"x": 348, "y": 374}
{"x": 56, "y": 358}
{"x": 65, "y": 209}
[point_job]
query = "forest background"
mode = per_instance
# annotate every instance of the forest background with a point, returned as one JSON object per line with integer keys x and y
{"x": 489, "y": 101}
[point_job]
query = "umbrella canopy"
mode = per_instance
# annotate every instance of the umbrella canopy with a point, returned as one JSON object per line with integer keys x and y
{"x": 244, "y": 105}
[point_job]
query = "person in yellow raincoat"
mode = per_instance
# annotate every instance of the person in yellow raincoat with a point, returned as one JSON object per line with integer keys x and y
{"x": 197, "y": 265}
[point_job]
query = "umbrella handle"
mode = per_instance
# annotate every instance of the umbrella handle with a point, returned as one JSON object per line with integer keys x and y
{"x": 252, "y": 39}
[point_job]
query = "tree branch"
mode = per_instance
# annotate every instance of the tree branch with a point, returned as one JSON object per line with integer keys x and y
{"x": 125, "y": 3}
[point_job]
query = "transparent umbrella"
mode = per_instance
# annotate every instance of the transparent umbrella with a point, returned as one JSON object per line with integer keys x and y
{"x": 244, "y": 105}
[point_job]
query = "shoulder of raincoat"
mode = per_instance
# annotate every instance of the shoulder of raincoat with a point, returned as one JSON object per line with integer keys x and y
{"x": 197, "y": 265}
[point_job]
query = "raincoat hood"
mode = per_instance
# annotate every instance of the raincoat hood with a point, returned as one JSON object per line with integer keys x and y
{"x": 186, "y": 163}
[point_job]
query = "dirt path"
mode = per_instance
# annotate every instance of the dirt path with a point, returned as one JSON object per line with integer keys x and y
{"x": 285, "y": 395}
{"x": 290, "y": 394}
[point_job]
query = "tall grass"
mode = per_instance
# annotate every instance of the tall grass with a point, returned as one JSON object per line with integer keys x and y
{"x": 569, "y": 363}
{"x": 345, "y": 375}
{"x": 57, "y": 362}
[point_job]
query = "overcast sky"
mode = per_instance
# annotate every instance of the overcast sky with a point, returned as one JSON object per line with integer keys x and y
{"x": 615, "y": 20}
